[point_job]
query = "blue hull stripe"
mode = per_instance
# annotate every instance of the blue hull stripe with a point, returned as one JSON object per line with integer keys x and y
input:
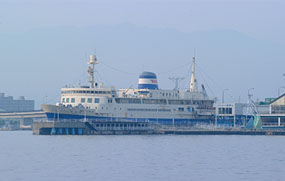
{"x": 53, "y": 116}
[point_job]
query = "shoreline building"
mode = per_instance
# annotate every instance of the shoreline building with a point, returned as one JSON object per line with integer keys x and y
{"x": 9, "y": 104}
{"x": 276, "y": 114}
{"x": 272, "y": 112}
{"x": 232, "y": 114}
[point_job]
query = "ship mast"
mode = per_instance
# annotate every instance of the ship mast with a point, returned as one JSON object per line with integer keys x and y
{"x": 193, "y": 81}
{"x": 176, "y": 80}
{"x": 92, "y": 62}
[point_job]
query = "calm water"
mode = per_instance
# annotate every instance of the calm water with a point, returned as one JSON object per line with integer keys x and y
{"x": 24, "y": 156}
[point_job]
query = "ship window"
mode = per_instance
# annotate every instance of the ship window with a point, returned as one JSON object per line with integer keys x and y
{"x": 63, "y": 99}
{"x": 67, "y": 100}
{"x": 230, "y": 110}
{"x": 189, "y": 109}
{"x": 128, "y": 100}
{"x": 109, "y": 100}
{"x": 227, "y": 111}
{"x": 72, "y": 100}
{"x": 181, "y": 109}
{"x": 97, "y": 100}
{"x": 89, "y": 100}
{"x": 187, "y": 102}
{"x": 154, "y": 101}
{"x": 82, "y": 100}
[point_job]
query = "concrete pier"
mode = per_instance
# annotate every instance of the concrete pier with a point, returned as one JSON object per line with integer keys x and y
{"x": 224, "y": 132}
{"x": 50, "y": 128}
{"x": 136, "y": 128}
{"x": 93, "y": 128}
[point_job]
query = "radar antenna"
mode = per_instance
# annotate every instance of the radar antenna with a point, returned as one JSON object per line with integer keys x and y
{"x": 176, "y": 81}
{"x": 92, "y": 62}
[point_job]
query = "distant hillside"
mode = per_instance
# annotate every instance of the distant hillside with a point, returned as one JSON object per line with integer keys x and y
{"x": 38, "y": 63}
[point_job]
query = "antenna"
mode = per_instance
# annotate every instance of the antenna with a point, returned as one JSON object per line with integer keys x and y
{"x": 176, "y": 81}
{"x": 92, "y": 62}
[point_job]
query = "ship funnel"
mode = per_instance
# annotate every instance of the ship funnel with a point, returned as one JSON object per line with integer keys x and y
{"x": 147, "y": 80}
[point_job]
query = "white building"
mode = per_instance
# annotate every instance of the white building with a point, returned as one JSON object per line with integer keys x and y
{"x": 237, "y": 114}
{"x": 8, "y": 104}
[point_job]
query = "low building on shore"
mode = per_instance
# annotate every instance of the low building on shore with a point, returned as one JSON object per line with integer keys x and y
{"x": 272, "y": 112}
{"x": 9, "y": 104}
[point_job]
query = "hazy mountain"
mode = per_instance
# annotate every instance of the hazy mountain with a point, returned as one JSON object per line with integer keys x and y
{"x": 39, "y": 62}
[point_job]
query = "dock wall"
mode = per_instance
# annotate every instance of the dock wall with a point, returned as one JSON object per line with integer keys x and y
{"x": 135, "y": 128}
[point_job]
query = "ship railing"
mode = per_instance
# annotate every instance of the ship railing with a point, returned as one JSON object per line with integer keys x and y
{"x": 151, "y": 124}
{"x": 198, "y": 126}
{"x": 120, "y": 126}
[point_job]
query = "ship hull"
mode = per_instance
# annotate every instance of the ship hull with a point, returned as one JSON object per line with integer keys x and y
{"x": 58, "y": 113}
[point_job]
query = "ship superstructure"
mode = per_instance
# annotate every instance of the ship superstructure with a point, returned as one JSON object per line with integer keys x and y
{"x": 145, "y": 103}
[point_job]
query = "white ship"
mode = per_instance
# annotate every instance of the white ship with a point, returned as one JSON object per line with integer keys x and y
{"x": 146, "y": 103}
